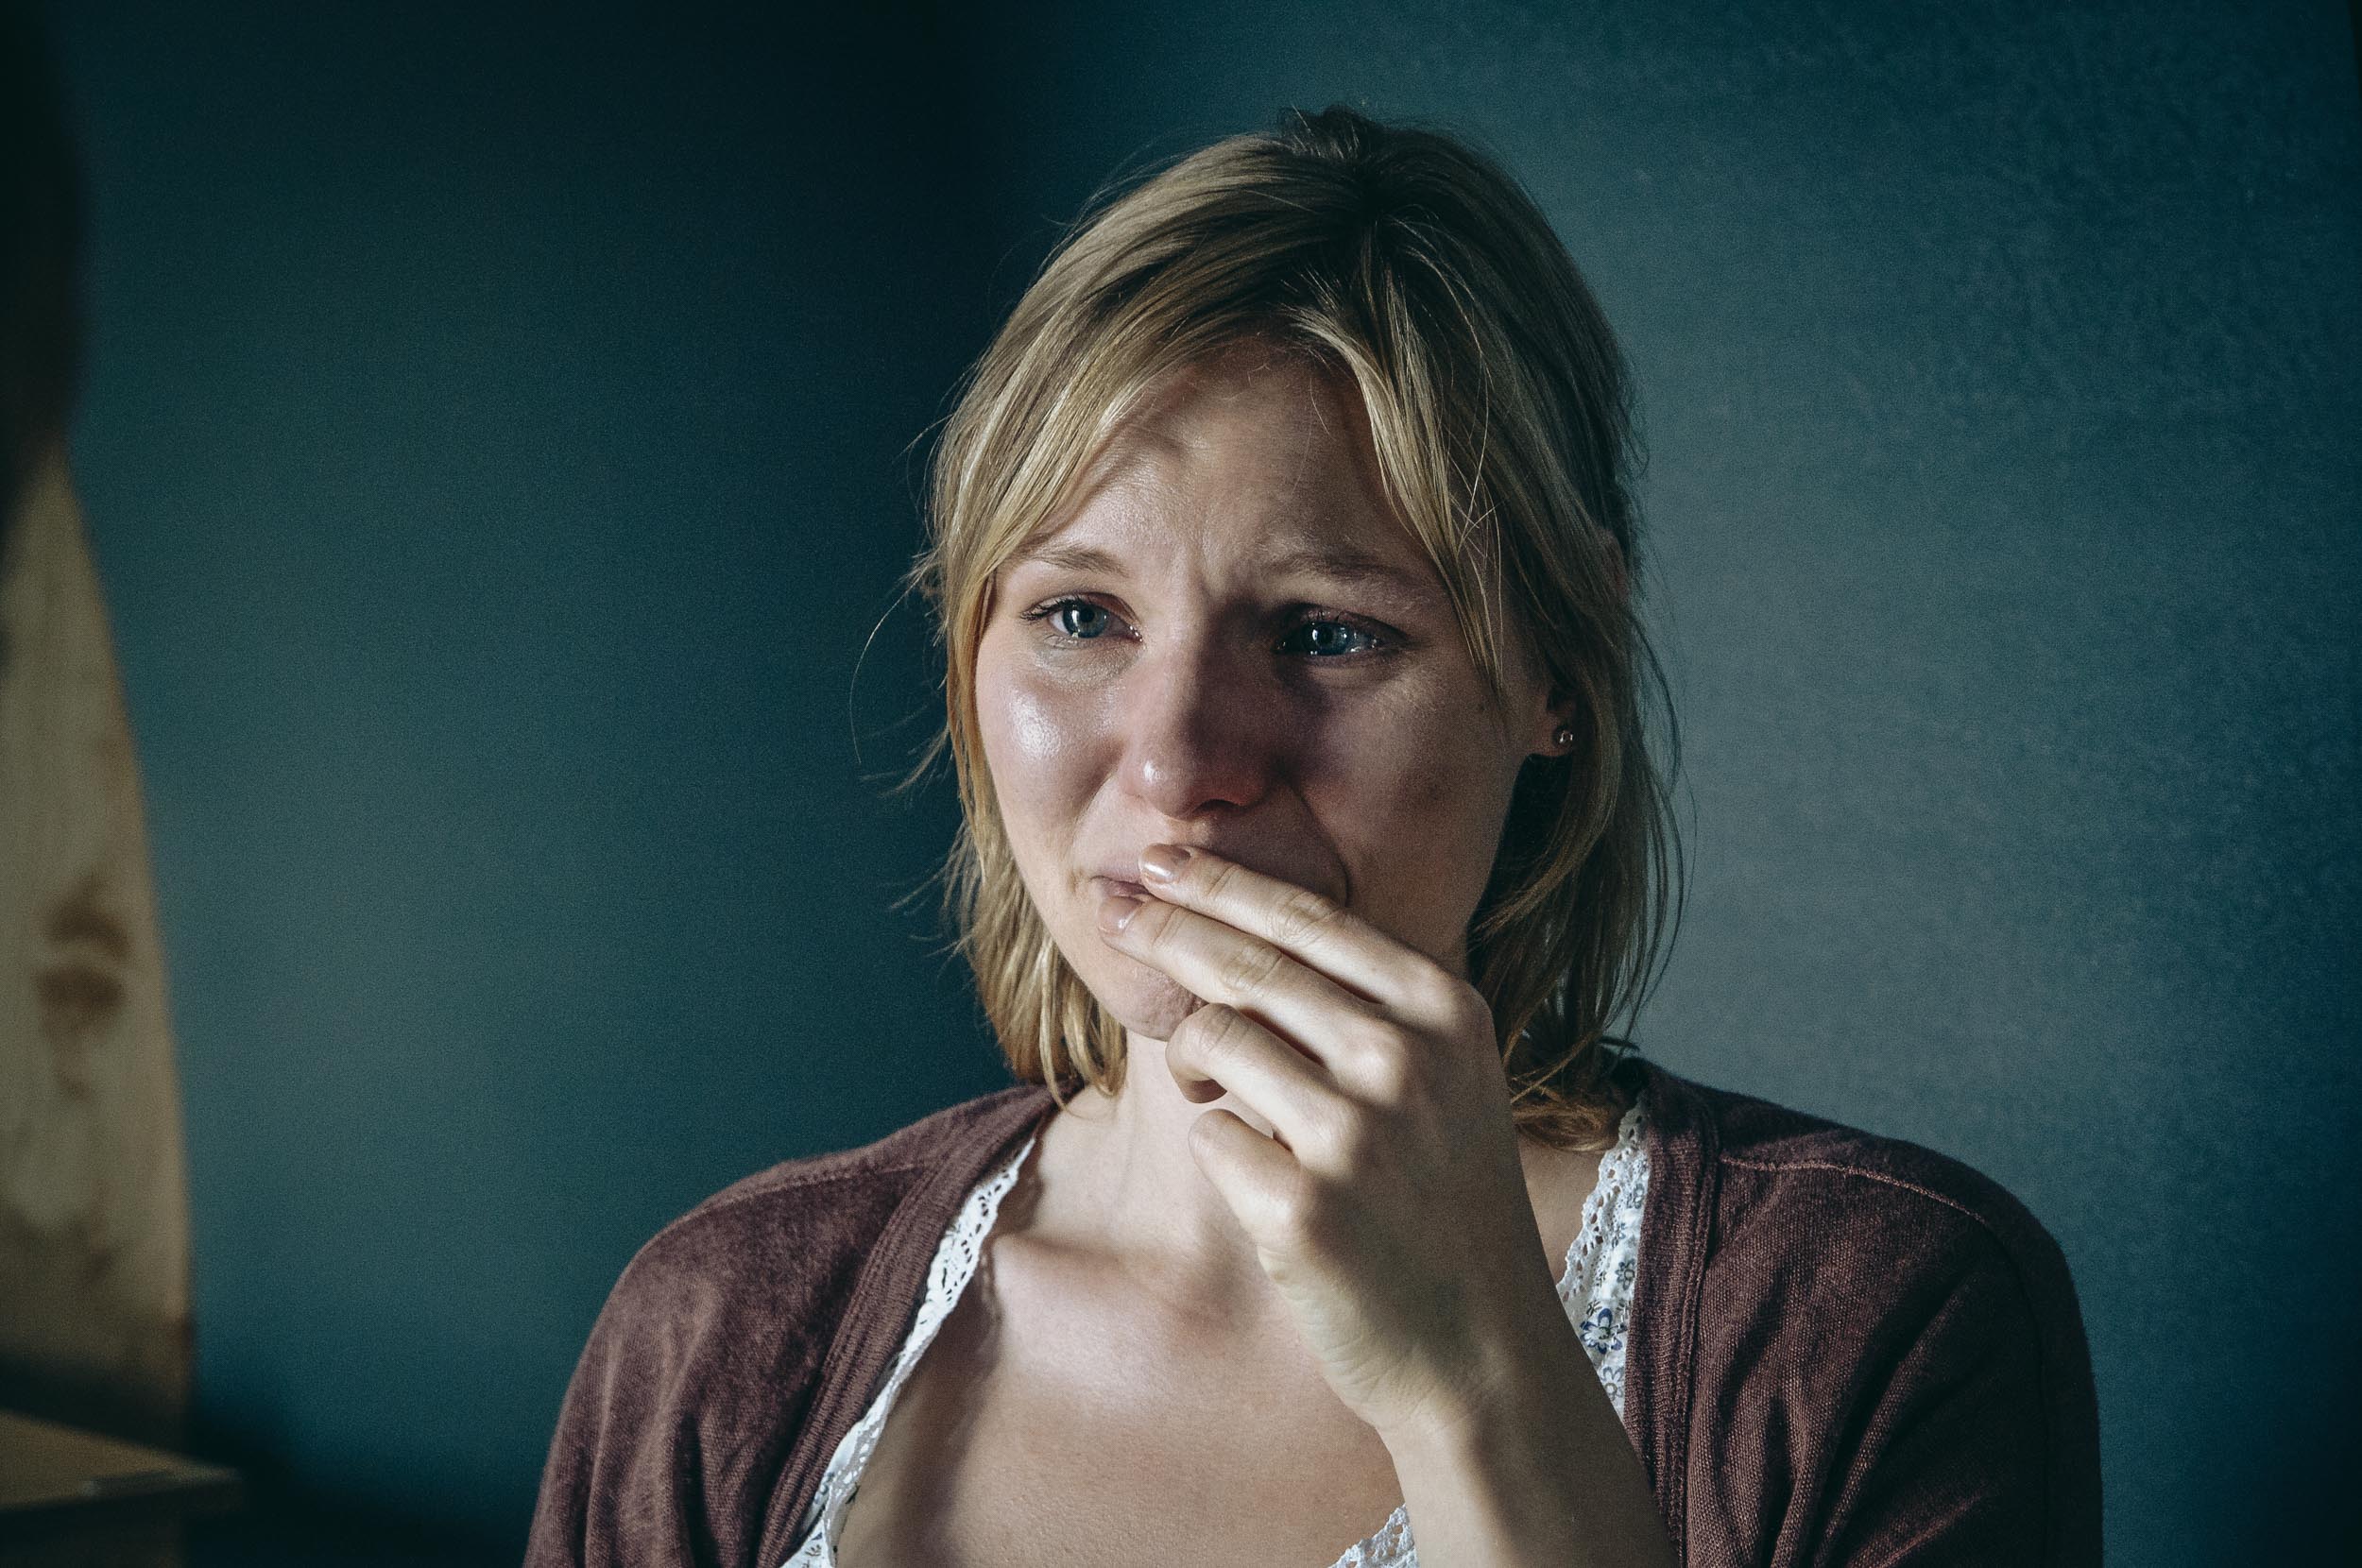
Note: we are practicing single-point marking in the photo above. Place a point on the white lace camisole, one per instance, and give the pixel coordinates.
(1596, 1289)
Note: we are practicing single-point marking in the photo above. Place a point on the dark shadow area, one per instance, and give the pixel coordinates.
(284, 1532)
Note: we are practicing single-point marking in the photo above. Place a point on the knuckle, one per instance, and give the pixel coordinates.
(1248, 969)
(1387, 1071)
(1222, 1033)
(1344, 1135)
(1302, 915)
(1300, 1209)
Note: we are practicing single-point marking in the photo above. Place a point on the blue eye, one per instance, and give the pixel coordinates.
(1322, 636)
(1325, 637)
(1060, 612)
(1071, 620)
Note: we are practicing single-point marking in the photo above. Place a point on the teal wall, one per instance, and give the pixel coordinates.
(495, 449)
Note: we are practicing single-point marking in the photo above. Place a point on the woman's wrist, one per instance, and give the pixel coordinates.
(1533, 1468)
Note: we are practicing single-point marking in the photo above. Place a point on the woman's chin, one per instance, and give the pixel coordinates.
(1149, 1006)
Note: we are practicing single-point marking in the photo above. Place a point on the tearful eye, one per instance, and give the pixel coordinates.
(1078, 618)
(1327, 639)
(1324, 638)
(1070, 621)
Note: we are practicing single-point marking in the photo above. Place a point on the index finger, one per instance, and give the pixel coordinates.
(1308, 926)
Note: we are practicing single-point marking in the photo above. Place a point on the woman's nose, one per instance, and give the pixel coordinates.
(1201, 729)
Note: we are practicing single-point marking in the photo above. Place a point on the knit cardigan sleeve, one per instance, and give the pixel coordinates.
(1948, 1451)
(1887, 1364)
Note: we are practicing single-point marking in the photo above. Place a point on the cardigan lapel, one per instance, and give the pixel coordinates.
(886, 1295)
(1676, 1228)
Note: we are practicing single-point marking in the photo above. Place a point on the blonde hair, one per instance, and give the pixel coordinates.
(1416, 270)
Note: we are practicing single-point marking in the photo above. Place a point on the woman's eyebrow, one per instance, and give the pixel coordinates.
(1347, 567)
(1069, 558)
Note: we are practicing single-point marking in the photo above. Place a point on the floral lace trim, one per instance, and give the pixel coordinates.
(946, 1276)
(1603, 1264)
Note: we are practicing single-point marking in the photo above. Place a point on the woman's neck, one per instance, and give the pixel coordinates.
(1117, 1182)
(1114, 1182)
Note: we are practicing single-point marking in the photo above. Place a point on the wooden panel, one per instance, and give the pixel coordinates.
(93, 1202)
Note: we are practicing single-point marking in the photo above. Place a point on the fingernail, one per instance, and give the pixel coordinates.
(1162, 863)
(1117, 911)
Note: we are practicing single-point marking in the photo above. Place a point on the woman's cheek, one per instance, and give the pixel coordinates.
(1037, 752)
(1040, 732)
(1419, 831)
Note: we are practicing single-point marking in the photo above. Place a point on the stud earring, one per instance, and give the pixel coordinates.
(1564, 736)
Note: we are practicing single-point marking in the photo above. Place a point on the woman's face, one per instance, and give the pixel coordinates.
(1231, 643)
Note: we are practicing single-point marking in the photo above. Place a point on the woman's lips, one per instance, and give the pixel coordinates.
(1108, 887)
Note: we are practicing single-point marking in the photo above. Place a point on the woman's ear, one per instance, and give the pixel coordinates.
(1559, 733)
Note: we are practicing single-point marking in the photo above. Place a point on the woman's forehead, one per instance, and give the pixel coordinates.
(1251, 379)
(1264, 456)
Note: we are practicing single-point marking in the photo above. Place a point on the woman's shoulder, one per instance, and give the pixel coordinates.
(710, 1350)
(1785, 1180)
(1774, 1225)
(1884, 1329)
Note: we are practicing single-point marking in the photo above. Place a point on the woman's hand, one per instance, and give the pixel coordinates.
(1390, 1207)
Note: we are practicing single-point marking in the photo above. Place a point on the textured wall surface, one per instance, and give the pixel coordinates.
(494, 452)
(495, 437)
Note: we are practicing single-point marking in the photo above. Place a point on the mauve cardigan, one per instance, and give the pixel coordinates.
(1844, 1350)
